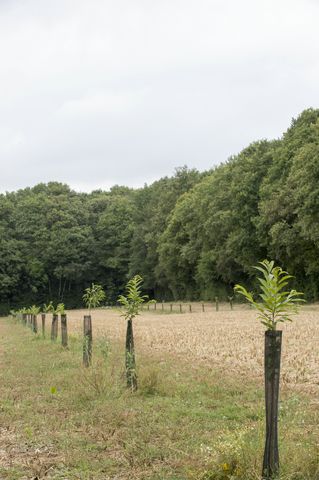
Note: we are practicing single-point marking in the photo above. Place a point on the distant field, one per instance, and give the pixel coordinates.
(226, 339)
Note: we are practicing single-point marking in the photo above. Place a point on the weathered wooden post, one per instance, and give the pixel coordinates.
(162, 305)
(24, 318)
(190, 308)
(273, 340)
(54, 327)
(180, 308)
(231, 302)
(43, 324)
(148, 307)
(203, 307)
(87, 341)
(64, 330)
(171, 307)
(155, 305)
(217, 304)
(34, 323)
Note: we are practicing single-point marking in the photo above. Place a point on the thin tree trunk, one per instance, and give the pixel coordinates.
(63, 289)
(130, 365)
(273, 340)
(60, 285)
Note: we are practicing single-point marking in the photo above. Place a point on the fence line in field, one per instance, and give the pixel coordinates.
(192, 307)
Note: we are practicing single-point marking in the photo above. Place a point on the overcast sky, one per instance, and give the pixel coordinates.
(100, 92)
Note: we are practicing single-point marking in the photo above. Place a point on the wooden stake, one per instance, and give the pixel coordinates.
(130, 364)
(34, 324)
(64, 331)
(87, 341)
(217, 304)
(54, 327)
(43, 324)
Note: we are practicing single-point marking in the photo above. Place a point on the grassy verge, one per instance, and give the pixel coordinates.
(61, 421)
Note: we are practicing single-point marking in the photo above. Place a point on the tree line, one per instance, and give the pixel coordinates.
(190, 236)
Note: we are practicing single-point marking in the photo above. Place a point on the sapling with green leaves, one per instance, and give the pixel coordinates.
(60, 308)
(34, 310)
(276, 304)
(48, 308)
(131, 305)
(93, 296)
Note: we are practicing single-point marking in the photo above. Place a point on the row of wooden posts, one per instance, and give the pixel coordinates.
(32, 322)
(162, 305)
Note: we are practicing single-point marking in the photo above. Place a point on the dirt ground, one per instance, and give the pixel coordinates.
(231, 340)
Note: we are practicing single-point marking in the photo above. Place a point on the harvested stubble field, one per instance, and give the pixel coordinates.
(198, 413)
(229, 340)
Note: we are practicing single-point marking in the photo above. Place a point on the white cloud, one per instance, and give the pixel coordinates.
(134, 89)
(101, 103)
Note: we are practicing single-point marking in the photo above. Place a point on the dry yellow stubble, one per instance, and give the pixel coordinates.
(228, 340)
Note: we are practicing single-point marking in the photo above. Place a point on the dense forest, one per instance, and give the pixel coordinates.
(191, 236)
